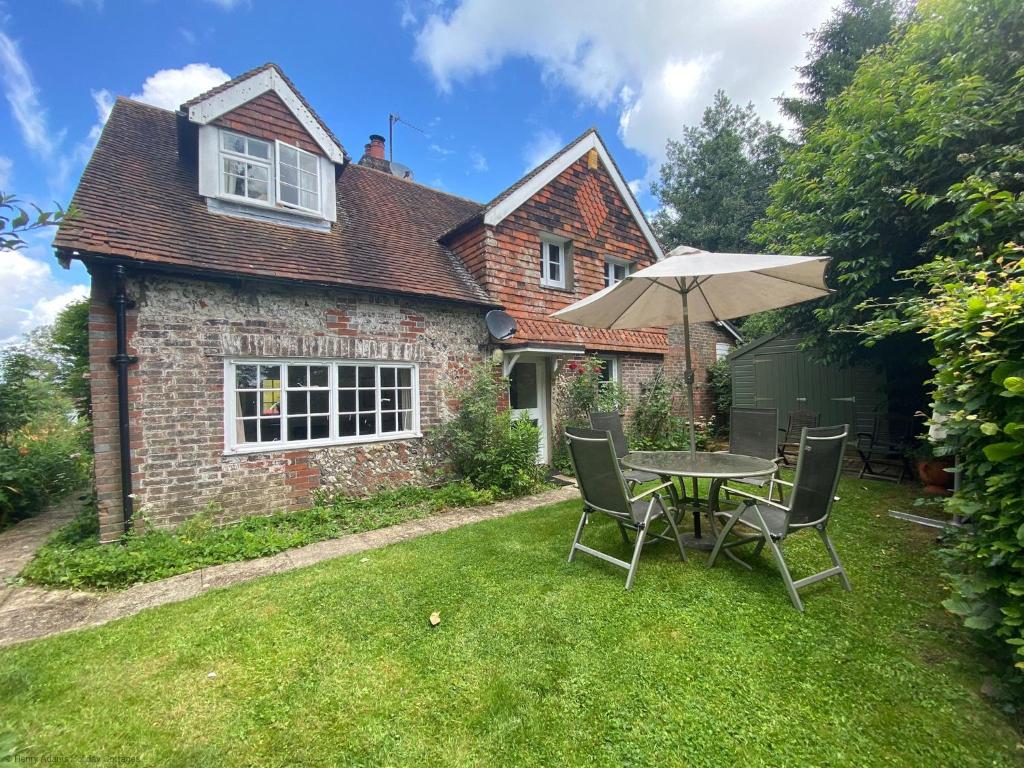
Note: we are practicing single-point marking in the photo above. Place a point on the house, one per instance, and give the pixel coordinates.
(270, 317)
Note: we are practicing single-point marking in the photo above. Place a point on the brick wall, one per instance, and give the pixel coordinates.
(703, 340)
(182, 330)
(267, 117)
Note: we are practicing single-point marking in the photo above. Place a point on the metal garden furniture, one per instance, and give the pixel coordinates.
(611, 422)
(717, 467)
(753, 432)
(604, 491)
(887, 445)
(820, 460)
(791, 432)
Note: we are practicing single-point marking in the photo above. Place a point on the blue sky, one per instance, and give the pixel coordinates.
(494, 86)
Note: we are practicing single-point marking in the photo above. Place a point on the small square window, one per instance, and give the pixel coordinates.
(615, 271)
(553, 267)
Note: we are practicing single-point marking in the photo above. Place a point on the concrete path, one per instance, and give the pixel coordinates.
(27, 613)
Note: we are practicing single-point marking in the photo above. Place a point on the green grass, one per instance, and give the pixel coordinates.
(73, 557)
(536, 661)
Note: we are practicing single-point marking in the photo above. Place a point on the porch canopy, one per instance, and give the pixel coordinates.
(691, 284)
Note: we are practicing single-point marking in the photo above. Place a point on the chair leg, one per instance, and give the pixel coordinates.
(625, 536)
(721, 537)
(675, 532)
(784, 570)
(579, 535)
(835, 560)
(640, 535)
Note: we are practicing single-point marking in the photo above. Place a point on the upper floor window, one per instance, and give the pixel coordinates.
(554, 263)
(615, 271)
(269, 173)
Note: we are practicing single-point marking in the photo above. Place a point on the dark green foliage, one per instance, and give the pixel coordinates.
(69, 344)
(714, 184)
(720, 383)
(929, 109)
(74, 558)
(762, 324)
(856, 27)
(579, 391)
(484, 444)
(655, 426)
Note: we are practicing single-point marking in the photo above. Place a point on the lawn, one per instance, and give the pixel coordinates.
(535, 662)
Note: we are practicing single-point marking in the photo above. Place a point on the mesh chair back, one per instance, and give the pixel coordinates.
(597, 470)
(754, 432)
(611, 422)
(797, 421)
(817, 474)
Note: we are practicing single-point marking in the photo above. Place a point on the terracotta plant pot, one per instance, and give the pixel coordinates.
(937, 481)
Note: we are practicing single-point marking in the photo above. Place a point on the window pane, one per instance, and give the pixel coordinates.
(289, 176)
(523, 386)
(309, 200)
(366, 397)
(233, 142)
(555, 272)
(367, 424)
(319, 402)
(387, 377)
(308, 181)
(298, 402)
(258, 172)
(366, 376)
(297, 428)
(246, 404)
(259, 148)
(388, 422)
(347, 401)
(234, 167)
(405, 399)
(405, 377)
(270, 376)
(404, 421)
(245, 377)
(289, 195)
(289, 156)
(297, 375)
(308, 162)
(346, 375)
(346, 426)
(258, 190)
(318, 375)
(248, 431)
(270, 403)
(553, 253)
(319, 428)
(387, 399)
(270, 430)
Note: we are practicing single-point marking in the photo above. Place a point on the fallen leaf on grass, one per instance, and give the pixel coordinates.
(435, 619)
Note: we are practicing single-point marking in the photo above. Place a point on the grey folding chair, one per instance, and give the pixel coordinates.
(753, 432)
(886, 446)
(791, 432)
(611, 422)
(604, 491)
(819, 462)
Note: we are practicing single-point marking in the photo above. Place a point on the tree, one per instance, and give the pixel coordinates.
(16, 222)
(69, 343)
(837, 46)
(714, 184)
(940, 103)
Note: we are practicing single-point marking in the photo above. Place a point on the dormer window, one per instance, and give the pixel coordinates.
(269, 173)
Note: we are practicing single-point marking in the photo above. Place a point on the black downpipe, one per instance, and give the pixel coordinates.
(121, 304)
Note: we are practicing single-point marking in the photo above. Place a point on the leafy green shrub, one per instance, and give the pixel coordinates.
(720, 382)
(483, 443)
(74, 558)
(655, 427)
(579, 391)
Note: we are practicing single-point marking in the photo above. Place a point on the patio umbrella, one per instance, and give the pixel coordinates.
(691, 284)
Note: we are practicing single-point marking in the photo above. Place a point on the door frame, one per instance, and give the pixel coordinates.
(543, 401)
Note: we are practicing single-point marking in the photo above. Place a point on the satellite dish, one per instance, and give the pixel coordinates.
(500, 324)
(401, 171)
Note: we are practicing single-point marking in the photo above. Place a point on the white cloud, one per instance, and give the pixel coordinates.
(656, 62)
(408, 18)
(6, 164)
(229, 5)
(23, 96)
(543, 145)
(479, 162)
(170, 88)
(32, 294)
(188, 36)
(437, 149)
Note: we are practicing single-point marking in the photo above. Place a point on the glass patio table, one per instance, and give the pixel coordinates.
(718, 467)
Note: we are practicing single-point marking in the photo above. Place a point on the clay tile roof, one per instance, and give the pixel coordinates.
(532, 330)
(138, 200)
(245, 76)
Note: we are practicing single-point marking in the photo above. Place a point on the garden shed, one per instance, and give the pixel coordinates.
(772, 372)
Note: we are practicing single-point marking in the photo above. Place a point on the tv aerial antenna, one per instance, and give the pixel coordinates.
(394, 117)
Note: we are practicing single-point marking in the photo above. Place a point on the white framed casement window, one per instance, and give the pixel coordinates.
(615, 271)
(554, 262)
(722, 350)
(298, 178)
(283, 404)
(245, 165)
(609, 373)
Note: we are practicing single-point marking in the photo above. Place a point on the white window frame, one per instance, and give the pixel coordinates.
(564, 246)
(609, 275)
(722, 350)
(233, 446)
(613, 369)
(268, 163)
(277, 180)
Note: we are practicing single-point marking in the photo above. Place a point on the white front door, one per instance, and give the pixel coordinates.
(527, 393)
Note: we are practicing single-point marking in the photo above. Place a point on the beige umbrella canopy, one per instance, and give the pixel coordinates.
(691, 284)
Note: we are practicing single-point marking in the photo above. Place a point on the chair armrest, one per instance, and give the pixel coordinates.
(758, 499)
(865, 434)
(649, 491)
(780, 481)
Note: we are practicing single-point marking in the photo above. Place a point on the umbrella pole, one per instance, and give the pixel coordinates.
(688, 376)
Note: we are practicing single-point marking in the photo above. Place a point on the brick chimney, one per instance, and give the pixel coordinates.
(373, 154)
